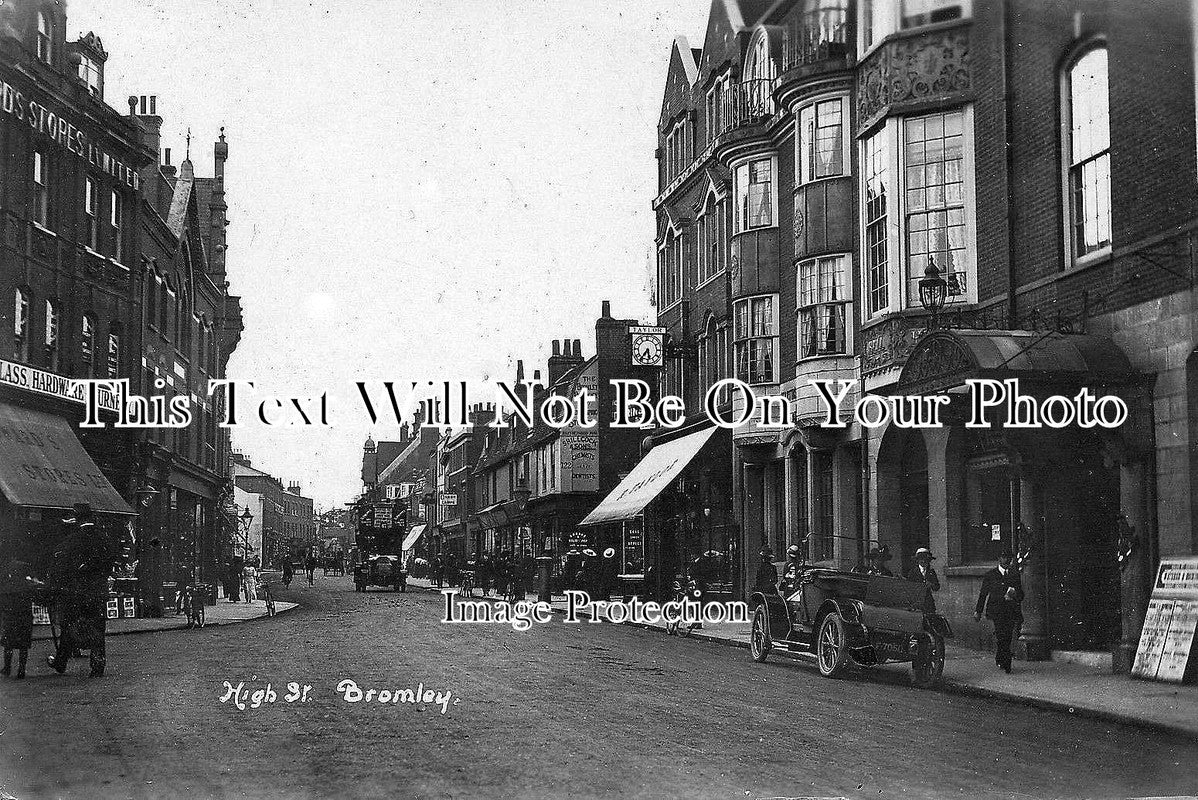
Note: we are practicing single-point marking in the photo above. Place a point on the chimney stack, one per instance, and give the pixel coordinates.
(606, 309)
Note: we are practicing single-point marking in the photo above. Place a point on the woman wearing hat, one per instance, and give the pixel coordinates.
(922, 572)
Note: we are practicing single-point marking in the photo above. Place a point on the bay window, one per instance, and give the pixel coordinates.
(823, 301)
(821, 142)
(917, 209)
(756, 194)
(1088, 154)
(756, 339)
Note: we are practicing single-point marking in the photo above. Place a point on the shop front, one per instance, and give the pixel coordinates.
(1065, 499)
(672, 515)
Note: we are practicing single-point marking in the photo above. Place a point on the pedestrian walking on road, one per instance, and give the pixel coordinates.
(16, 615)
(81, 568)
(236, 567)
(922, 572)
(288, 572)
(999, 599)
(311, 565)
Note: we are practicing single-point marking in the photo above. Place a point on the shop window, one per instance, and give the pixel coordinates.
(51, 339)
(1088, 153)
(117, 222)
(756, 340)
(823, 303)
(91, 212)
(41, 189)
(45, 37)
(87, 345)
(987, 527)
(21, 325)
(821, 144)
(756, 194)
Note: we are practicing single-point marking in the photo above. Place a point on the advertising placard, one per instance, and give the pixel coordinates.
(1167, 639)
(634, 548)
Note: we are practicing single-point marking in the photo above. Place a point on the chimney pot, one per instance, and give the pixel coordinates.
(606, 309)
(556, 347)
(578, 347)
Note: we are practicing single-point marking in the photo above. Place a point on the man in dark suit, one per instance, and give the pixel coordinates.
(999, 599)
(82, 565)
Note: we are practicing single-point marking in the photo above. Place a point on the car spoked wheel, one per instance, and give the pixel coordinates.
(831, 648)
(759, 637)
(927, 669)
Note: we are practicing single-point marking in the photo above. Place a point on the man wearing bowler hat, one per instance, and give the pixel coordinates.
(82, 565)
(1001, 594)
(922, 572)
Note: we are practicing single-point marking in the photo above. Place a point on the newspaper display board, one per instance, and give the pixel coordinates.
(1167, 639)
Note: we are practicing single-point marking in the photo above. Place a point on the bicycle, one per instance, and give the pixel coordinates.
(265, 593)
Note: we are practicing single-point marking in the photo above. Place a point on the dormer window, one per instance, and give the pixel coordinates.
(89, 73)
(45, 37)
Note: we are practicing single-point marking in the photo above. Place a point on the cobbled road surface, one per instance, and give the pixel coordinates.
(559, 711)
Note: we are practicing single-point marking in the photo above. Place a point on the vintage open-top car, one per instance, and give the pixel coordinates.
(380, 570)
(844, 617)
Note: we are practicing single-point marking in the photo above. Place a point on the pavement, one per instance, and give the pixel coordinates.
(556, 711)
(1056, 685)
(223, 613)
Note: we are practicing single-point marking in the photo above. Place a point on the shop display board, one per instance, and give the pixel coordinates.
(1167, 639)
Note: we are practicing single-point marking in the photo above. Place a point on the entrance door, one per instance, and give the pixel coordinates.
(913, 508)
(1082, 552)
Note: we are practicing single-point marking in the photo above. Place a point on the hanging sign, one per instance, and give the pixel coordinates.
(1167, 639)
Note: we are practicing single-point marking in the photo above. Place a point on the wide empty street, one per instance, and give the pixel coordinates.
(559, 711)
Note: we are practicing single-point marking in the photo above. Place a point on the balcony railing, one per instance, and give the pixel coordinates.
(747, 103)
(816, 36)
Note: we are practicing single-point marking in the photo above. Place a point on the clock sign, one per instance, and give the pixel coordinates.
(647, 346)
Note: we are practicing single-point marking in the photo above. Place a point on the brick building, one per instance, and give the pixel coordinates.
(1005, 150)
(69, 266)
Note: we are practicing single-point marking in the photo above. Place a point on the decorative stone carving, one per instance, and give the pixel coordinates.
(888, 343)
(915, 68)
(939, 356)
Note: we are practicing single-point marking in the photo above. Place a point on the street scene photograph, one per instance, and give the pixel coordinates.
(542, 399)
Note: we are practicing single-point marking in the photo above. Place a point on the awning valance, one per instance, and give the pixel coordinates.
(946, 359)
(648, 478)
(413, 536)
(43, 465)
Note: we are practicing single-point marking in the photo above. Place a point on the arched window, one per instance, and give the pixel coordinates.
(87, 345)
(759, 74)
(165, 311)
(45, 36)
(21, 325)
(1087, 146)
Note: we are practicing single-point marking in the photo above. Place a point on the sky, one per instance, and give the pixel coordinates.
(418, 189)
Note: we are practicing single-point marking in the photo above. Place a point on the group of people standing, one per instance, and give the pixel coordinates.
(507, 574)
(75, 587)
(593, 573)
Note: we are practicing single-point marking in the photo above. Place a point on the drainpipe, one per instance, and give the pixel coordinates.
(1008, 113)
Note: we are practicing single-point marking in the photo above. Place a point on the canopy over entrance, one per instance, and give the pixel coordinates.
(43, 465)
(648, 478)
(946, 359)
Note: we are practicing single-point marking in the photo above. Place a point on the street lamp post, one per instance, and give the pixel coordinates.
(246, 519)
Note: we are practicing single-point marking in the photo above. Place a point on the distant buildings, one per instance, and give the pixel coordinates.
(282, 524)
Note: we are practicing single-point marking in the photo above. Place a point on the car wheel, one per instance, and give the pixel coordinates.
(831, 648)
(928, 667)
(759, 637)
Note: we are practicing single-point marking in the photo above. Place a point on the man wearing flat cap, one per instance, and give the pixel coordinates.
(922, 572)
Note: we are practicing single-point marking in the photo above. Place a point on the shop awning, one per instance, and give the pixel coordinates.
(648, 478)
(413, 536)
(43, 465)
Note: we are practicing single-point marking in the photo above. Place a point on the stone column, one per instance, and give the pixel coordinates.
(1033, 642)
